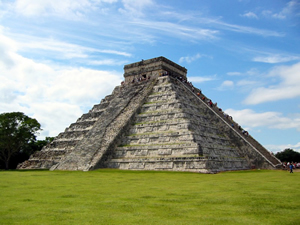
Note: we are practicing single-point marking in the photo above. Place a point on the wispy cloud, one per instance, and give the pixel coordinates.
(290, 80)
(250, 15)
(177, 30)
(250, 118)
(189, 59)
(135, 8)
(226, 85)
(68, 9)
(276, 58)
(202, 79)
(247, 30)
(63, 48)
(279, 148)
(251, 72)
(108, 62)
(234, 73)
(287, 11)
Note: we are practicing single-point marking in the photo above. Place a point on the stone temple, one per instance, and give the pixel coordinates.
(155, 120)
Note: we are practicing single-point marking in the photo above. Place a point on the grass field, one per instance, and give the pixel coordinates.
(148, 197)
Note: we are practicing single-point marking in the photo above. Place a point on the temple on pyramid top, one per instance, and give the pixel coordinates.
(155, 120)
(152, 68)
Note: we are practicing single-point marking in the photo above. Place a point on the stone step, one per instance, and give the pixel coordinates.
(161, 159)
(160, 115)
(63, 144)
(219, 150)
(162, 88)
(159, 126)
(196, 164)
(48, 155)
(152, 151)
(176, 114)
(37, 164)
(162, 97)
(99, 107)
(186, 106)
(92, 116)
(160, 106)
(80, 126)
(78, 134)
(210, 137)
(159, 137)
(159, 146)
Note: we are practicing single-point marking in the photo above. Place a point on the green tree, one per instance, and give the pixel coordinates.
(27, 151)
(16, 132)
(288, 155)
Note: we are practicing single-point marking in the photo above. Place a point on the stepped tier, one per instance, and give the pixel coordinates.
(154, 123)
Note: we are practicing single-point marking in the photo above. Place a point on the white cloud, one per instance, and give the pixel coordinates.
(109, 62)
(46, 7)
(56, 97)
(250, 15)
(279, 148)
(59, 49)
(189, 59)
(234, 73)
(69, 9)
(177, 30)
(249, 118)
(245, 29)
(276, 58)
(287, 11)
(227, 84)
(135, 8)
(247, 83)
(251, 72)
(201, 79)
(290, 80)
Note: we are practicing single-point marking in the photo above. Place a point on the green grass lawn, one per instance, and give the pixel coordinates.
(148, 197)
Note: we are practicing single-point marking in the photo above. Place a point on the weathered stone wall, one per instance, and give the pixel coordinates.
(152, 68)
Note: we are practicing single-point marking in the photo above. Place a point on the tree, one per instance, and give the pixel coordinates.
(288, 155)
(16, 132)
(27, 151)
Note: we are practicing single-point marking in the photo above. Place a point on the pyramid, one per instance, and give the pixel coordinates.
(155, 120)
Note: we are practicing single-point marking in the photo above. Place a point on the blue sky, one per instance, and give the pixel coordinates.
(59, 58)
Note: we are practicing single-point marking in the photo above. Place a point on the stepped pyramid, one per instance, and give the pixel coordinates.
(155, 120)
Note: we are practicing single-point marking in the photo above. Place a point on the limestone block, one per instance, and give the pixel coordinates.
(141, 152)
(163, 165)
(164, 151)
(136, 165)
(195, 165)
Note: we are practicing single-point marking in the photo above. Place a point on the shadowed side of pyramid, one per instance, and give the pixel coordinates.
(156, 120)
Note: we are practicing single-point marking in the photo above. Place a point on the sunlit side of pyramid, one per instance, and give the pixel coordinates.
(155, 120)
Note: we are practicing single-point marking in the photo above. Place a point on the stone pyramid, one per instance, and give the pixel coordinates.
(155, 120)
